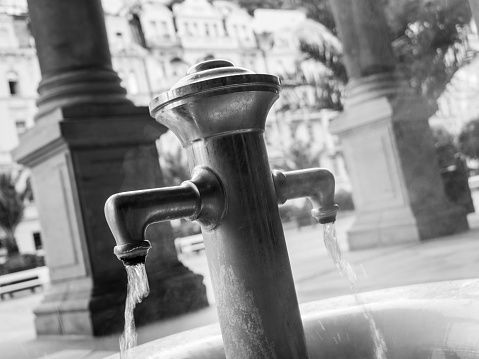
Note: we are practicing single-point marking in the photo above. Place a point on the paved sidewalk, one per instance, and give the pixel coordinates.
(453, 257)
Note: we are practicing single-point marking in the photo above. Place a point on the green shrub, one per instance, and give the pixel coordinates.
(21, 262)
(287, 212)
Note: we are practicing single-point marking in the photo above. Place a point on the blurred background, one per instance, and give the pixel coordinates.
(383, 93)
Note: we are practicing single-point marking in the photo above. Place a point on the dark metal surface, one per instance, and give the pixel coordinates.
(206, 106)
(129, 213)
(247, 254)
(220, 121)
(219, 113)
(317, 184)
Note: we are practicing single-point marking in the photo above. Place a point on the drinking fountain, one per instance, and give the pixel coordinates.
(218, 112)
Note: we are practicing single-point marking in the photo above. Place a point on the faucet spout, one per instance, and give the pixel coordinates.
(317, 184)
(130, 213)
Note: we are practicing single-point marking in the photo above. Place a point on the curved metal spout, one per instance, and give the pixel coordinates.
(317, 184)
(130, 213)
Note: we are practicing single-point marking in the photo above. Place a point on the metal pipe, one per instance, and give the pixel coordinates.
(247, 254)
(317, 184)
(218, 112)
(130, 213)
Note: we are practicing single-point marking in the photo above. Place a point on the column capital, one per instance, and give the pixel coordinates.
(74, 56)
(384, 96)
(89, 86)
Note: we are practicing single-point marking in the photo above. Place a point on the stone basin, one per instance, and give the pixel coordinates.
(434, 321)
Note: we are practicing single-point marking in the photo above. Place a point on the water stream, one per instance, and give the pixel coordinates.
(346, 270)
(138, 289)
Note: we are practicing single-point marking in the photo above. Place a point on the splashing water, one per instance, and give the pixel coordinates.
(138, 289)
(346, 270)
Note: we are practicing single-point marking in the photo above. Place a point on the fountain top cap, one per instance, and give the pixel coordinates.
(216, 97)
(208, 70)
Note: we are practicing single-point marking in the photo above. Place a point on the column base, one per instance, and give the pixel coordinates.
(64, 309)
(399, 226)
(397, 186)
(383, 227)
(444, 221)
(73, 308)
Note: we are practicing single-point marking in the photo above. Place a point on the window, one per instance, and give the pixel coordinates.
(12, 79)
(120, 41)
(133, 83)
(136, 30)
(153, 25)
(164, 30)
(37, 239)
(21, 126)
(188, 29)
(4, 37)
(119, 37)
(163, 68)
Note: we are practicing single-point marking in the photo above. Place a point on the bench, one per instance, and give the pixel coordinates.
(190, 244)
(18, 281)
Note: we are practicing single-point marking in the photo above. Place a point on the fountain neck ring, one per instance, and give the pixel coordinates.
(216, 98)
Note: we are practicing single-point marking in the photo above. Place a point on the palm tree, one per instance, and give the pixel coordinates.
(11, 211)
(468, 139)
(301, 155)
(318, 79)
(430, 39)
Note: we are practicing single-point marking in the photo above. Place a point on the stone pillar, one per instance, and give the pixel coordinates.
(73, 53)
(386, 139)
(475, 10)
(88, 143)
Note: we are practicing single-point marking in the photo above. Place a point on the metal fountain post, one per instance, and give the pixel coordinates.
(218, 111)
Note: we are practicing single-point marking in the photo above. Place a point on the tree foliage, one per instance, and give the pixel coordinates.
(11, 211)
(430, 41)
(468, 139)
(454, 172)
(304, 92)
(322, 77)
(445, 146)
(301, 155)
(428, 37)
(174, 166)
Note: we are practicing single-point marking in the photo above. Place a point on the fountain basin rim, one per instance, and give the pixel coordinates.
(429, 300)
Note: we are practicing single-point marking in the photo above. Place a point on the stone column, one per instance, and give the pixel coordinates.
(475, 10)
(386, 139)
(88, 143)
(73, 53)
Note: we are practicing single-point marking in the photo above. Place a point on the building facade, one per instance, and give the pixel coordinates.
(152, 46)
